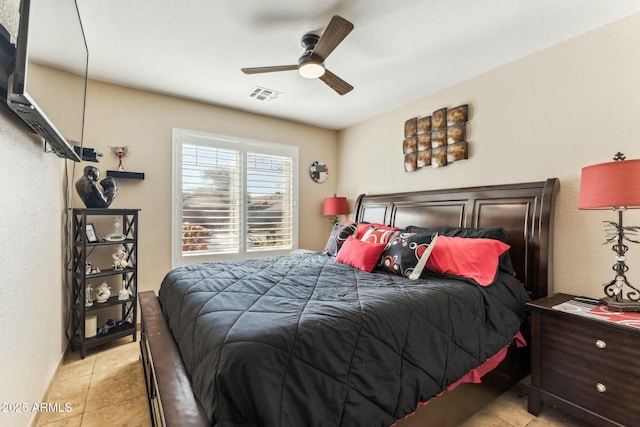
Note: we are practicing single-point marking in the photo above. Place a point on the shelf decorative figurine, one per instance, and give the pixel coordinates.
(103, 292)
(124, 293)
(120, 153)
(116, 236)
(87, 295)
(90, 269)
(105, 329)
(120, 260)
(91, 194)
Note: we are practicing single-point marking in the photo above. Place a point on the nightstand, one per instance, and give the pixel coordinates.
(587, 367)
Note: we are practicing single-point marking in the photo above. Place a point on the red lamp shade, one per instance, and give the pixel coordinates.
(610, 185)
(334, 206)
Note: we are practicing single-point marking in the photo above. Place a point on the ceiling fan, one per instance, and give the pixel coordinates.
(316, 51)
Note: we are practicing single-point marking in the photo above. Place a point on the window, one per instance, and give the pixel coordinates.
(232, 198)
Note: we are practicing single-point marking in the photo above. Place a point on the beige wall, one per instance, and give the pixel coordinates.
(144, 121)
(544, 116)
(33, 307)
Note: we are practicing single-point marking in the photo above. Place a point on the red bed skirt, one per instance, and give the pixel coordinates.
(475, 375)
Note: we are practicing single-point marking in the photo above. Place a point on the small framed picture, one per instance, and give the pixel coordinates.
(424, 158)
(424, 124)
(439, 119)
(92, 237)
(439, 157)
(424, 141)
(439, 138)
(458, 114)
(410, 127)
(457, 151)
(409, 145)
(410, 162)
(456, 133)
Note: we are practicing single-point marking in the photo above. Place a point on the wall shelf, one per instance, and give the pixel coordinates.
(126, 175)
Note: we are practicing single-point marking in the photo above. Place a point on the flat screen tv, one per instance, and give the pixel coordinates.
(47, 86)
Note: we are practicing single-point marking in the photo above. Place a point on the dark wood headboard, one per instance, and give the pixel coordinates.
(524, 210)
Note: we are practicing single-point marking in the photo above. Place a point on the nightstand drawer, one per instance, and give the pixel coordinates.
(590, 386)
(598, 344)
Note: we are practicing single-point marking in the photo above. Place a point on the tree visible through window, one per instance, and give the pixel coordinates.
(232, 198)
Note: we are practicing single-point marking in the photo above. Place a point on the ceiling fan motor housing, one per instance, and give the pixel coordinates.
(309, 42)
(310, 65)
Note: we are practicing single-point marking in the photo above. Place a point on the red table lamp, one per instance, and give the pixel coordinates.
(334, 206)
(615, 185)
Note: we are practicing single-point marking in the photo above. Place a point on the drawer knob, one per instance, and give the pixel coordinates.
(601, 388)
(601, 344)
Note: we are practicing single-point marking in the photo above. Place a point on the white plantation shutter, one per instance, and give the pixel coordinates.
(233, 198)
(269, 202)
(210, 196)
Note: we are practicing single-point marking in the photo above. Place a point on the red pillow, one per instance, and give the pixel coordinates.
(476, 259)
(361, 255)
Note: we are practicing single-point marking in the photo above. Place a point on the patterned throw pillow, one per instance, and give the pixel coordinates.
(377, 233)
(403, 253)
(338, 235)
(363, 227)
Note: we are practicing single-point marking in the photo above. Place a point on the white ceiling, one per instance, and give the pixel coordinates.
(399, 50)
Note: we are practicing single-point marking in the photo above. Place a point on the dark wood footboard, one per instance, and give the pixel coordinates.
(171, 400)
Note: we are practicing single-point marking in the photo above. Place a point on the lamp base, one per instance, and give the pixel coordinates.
(620, 306)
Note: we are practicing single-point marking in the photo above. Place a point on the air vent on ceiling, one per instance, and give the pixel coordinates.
(264, 94)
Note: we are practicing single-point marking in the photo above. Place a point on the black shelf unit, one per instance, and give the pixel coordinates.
(81, 250)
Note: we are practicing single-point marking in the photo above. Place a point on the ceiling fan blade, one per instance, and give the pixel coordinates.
(336, 83)
(257, 70)
(336, 31)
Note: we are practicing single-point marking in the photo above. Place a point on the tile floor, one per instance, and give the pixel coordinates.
(510, 410)
(106, 389)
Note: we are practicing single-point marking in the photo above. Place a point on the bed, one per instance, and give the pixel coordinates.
(324, 373)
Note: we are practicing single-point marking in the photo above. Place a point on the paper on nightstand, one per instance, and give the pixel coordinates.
(599, 312)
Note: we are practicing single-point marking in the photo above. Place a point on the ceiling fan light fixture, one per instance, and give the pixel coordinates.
(311, 70)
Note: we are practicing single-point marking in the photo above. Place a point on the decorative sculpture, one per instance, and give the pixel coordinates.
(87, 295)
(105, 329)
(120, 153)
(120, 258)
(124, 292)
(103, 292)
(91, 194)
